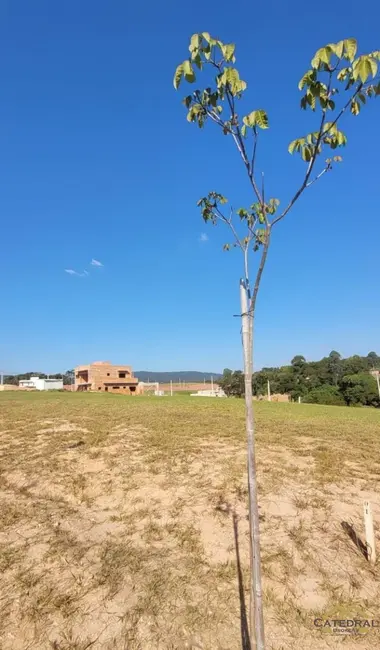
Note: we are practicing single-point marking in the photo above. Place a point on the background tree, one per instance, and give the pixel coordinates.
(68, 377)
(330, 395)
(360, 390)
(373, 361)
(232, 382)
(338, 81)
(334, 366)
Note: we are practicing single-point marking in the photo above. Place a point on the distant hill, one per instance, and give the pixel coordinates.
(188, 376)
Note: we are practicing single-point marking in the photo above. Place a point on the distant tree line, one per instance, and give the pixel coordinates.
(332, 380)
(68, 377)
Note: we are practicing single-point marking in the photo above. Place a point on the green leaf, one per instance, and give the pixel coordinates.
(296, 145)
(350, 47)
(187, 101)
(337, 159)
(323, 55)
(198, 61)
(178, 76)
(308, 77)
(206, 36)
(362, 98)
(373, 65)
(307, 152)
(207, 52)
(188, 71)
(355, 107)
(362, 68)
(310, 99)
(257, 118)
(244, 131)
(194, 42)
(343, 74)
(228, 52)
(337, 48)
(230, 77)
(226, 247)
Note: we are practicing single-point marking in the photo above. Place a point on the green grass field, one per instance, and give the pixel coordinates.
(123, 522)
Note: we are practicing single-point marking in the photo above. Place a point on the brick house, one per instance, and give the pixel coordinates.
(103, 376)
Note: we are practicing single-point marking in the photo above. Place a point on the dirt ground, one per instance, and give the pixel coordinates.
(123, 523)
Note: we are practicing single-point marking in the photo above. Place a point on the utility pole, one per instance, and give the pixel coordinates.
(212, 383)
(171, 388)
(269, 395)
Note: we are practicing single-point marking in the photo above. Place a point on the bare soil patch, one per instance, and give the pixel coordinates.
(137, 538)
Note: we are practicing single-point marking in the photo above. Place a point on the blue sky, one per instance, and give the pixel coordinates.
(98, 162)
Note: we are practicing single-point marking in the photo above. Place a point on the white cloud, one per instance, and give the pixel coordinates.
(72, 272)
(96, 263)
(203, 238)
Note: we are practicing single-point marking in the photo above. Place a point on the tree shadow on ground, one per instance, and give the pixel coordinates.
(227, 509)
(245, 640)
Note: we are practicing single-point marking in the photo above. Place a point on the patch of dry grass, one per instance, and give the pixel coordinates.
(137, 537)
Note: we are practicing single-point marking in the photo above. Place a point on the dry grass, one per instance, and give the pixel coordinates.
(135, 539)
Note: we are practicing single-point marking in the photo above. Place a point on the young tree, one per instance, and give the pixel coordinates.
(338, 81)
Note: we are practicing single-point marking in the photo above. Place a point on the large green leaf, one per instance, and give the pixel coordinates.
(194, 42)
(350, 47)
(178, 76)
(257, 118)
(362, 68)
(296, 145)
(306, 79)
(188, 71)
(307, 152)
(337, 48)
(373, 64)
(228, 52)
(323, 55)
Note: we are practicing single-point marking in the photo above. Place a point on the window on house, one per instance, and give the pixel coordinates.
(108, 374)
(121, 375)
(100, 388)
(106, 388)
(115, 387)
(132, 389)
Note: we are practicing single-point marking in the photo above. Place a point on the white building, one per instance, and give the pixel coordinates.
(215, 392)
(41, 384)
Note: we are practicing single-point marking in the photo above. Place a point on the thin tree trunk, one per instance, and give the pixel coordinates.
(256, 605)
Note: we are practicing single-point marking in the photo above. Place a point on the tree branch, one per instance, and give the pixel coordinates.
(260, 271)
(321, 134)
(326, 169)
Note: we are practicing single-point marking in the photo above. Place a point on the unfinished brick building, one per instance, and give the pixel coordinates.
(103, 376)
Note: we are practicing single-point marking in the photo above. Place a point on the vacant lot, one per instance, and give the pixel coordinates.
(123, 522)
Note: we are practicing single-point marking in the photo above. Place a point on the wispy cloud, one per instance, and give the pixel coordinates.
(203, 238)
(96, 263)
(72, 272)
